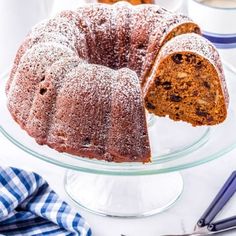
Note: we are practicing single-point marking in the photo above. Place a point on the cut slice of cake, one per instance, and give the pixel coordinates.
(187, 82)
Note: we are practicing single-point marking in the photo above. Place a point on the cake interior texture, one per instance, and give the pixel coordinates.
(187, 87)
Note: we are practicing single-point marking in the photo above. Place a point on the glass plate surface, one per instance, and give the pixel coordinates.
(175, 145)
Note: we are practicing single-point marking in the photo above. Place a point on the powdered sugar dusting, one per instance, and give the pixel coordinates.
(31, 71)
(61, 73)
(97, 132)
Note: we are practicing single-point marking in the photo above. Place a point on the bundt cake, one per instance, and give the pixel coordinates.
(78, 79)
(187, 82)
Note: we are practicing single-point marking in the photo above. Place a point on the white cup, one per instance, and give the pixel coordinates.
(16, 19)
(216, 20)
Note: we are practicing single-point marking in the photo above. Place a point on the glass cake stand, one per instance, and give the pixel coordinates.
(134, 189)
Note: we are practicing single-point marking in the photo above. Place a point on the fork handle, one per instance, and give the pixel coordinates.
(222, 225)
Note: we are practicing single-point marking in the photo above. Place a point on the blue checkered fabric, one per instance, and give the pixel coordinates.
(28, 206)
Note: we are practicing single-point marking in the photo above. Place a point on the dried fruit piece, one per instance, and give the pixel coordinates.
(175, 98)
(197, 30)
(198, 65)
(209, 118)
(201, 112)
(177, 58)
(149, 105)
(206, 84)
(158, 81)
(166, 85)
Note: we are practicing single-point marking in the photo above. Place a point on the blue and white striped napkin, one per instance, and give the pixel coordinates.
(28, 206)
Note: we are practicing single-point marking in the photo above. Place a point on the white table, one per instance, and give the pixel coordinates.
(201, 185)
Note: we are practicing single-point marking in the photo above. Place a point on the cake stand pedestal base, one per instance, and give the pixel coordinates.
(124, 196)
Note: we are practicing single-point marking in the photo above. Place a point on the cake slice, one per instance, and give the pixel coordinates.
(187, 82)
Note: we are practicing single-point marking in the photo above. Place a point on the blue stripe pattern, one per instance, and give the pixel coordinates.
(223, 41)
(28, 206)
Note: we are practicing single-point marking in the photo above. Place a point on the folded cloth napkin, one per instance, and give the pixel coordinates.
(28, 206)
